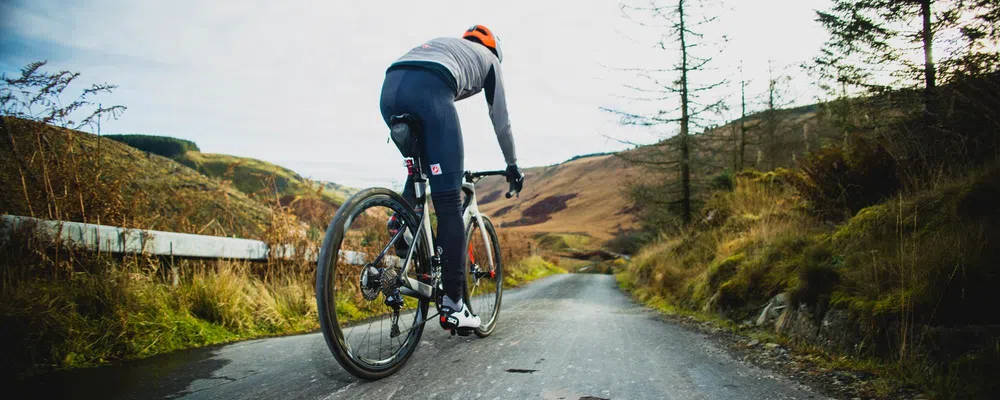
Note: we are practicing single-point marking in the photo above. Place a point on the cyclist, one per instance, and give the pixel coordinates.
(426, 82)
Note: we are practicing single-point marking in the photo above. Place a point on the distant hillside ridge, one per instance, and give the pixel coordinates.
(586, 194)
(166, 146)
(248, 175)
(253, 176)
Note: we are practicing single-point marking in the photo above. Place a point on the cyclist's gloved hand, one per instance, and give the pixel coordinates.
(515, 177)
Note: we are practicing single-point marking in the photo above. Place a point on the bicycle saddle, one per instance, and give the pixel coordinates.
(404, 130)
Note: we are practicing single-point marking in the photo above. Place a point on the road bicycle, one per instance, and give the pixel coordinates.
(379, 270)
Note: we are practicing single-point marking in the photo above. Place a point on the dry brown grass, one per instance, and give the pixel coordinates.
(68, 175)
(680, 266)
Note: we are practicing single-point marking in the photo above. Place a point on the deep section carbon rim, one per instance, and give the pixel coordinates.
(360, 286)
(483, 275)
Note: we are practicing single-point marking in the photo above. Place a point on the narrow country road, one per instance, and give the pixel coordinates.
(563, 337)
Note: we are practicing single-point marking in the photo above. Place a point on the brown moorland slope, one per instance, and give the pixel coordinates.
(586, 195)
(579, 196)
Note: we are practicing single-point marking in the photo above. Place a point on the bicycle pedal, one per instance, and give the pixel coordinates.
(465, 331)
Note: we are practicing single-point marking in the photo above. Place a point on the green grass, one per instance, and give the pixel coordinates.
(563, 241)
(917, 261)
(122, 313)
(61, 308)
(529, 269)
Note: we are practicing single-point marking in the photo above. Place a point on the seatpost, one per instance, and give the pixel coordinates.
(413, 169)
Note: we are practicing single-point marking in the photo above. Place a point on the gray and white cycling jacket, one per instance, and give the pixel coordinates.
(469, 68)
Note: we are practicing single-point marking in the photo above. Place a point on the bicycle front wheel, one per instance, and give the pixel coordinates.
(483, 274)
(369, 327)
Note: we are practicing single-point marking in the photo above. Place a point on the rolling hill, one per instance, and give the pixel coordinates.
(251, 176)
(584, 195)
(579, 196)
(57, 173)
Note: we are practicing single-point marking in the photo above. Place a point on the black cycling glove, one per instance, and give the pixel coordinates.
(515, 177)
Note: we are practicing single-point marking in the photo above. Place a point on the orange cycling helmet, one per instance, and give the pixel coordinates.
(482, 35)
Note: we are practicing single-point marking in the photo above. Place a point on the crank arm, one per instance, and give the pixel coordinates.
(419, 323)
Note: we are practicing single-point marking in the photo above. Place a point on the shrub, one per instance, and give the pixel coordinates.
(629, 242)
(724, 181)
(563, 241)
(838, 182)
(161, 145)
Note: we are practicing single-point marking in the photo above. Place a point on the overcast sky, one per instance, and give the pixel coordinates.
(297, 82)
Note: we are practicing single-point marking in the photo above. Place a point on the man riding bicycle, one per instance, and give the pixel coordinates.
(426, 82)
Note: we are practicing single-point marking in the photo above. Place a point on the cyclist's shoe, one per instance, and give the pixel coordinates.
(393, 226)
(461, 319)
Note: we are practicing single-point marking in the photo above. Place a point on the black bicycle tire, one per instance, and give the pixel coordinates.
(326, 291)
(495, 244)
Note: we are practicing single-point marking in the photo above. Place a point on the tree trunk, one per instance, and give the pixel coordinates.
(772, 120)
(685, 118)
(929, 71)
(743, 118)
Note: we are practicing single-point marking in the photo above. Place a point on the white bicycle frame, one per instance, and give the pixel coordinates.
(423, 290)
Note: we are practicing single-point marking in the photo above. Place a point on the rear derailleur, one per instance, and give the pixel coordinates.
(375, 280)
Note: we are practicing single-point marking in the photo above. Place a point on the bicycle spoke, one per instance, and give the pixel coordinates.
(482, 282)
(367, 268)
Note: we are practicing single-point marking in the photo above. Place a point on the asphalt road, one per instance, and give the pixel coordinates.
(563, 337)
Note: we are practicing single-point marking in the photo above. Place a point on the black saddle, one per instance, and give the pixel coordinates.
(404, 130)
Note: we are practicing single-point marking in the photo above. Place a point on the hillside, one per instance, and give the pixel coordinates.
(578, 196)
(584, 194)
(337, 190)
(57, 173)
(252, 176)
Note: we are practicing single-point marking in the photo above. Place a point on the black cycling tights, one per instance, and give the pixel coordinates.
(427, 96)
(451, 236)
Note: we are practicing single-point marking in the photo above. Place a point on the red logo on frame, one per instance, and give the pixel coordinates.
(435, 169)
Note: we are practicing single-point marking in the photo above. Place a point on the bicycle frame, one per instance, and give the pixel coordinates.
(412, 287)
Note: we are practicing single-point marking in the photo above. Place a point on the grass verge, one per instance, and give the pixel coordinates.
(61, 308)
(912, 275)
(529, 269)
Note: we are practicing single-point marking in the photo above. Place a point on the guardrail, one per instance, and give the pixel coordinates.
(118, 240)
(136, 241)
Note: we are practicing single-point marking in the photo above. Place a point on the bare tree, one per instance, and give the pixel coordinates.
(37, 96)
(770, 125)
(743, 122)
(672, 155)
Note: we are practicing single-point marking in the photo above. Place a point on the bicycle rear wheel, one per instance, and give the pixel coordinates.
(356, 289)
(483, 275)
